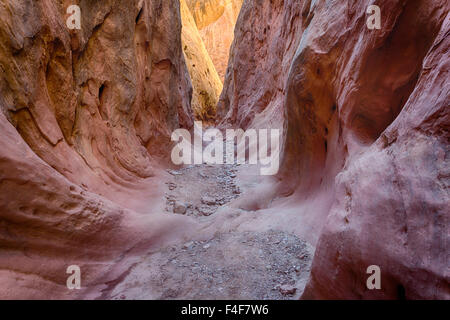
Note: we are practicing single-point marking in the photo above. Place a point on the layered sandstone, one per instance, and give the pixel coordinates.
(206, 83)
(366, 136)
(216, 20)
(64, 89)
(85, 116)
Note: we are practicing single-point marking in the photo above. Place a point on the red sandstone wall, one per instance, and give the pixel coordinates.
(85, 115)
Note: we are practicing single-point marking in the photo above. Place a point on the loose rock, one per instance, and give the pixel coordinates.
(179, 208)
(287, 290)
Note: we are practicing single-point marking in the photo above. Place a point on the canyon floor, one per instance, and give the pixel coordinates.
(270, 264)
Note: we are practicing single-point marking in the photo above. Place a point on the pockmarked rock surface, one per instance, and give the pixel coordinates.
(64, 89)
(202, 190)
(364, 173)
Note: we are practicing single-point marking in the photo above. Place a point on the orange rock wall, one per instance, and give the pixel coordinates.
(206, 83)
(216, 20)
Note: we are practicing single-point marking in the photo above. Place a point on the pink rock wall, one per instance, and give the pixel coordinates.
(365, 127)
(86, 116)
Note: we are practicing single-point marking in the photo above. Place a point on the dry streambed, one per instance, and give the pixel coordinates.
(238, 265)
(235, 265)
(199, 190)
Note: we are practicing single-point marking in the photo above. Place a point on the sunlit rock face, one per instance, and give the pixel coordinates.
(365, 116)
(206, 83)
(266, 38)
(215, 20)
(85, 116)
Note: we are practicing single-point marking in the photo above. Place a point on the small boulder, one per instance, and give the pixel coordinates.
(179, 208)
(203, 175)
(205, 211)
(172, 186)
(209, 200)
(286, 290)
(174, 172)
(188, 245)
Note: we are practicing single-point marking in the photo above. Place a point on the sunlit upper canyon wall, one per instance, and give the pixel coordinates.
(207, 34)
(206, 83)
(216, 20)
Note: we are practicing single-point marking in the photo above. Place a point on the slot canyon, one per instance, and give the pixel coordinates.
(87, 177)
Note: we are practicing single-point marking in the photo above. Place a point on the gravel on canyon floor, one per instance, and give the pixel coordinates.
(199, 190)
(234, 265)
(237, 265)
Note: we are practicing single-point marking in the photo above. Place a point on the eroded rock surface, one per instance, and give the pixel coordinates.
(266, 38)
(85, 114)
(392, 200)
(101, 96)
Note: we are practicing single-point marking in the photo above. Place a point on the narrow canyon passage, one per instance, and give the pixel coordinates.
(257, 264)
(226, 258)
(207, 34)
